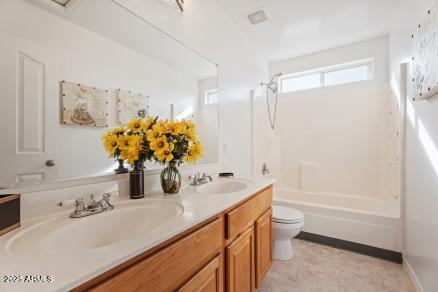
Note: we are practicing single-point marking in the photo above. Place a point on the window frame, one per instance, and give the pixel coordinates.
(208, 93)
(369, 62)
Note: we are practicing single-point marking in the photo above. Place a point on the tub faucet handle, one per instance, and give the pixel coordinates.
(265, 169)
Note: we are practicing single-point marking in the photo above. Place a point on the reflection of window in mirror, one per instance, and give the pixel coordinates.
(211, 96)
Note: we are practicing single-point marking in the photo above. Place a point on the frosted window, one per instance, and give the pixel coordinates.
(211, 96)
(346, 75)
(301, 82)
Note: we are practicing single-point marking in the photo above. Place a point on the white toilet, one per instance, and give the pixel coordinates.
(287, 223)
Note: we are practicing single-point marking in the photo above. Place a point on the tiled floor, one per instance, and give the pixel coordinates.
(320, 268)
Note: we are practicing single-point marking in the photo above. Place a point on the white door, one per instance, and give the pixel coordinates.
(29, 111)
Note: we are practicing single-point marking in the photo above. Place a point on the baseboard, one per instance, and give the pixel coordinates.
(412, 275)
(380, 253)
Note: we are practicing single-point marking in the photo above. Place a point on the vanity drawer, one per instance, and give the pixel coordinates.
(242, 217)
(171, 267)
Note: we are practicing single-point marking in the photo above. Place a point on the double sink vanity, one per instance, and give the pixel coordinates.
(212, 237)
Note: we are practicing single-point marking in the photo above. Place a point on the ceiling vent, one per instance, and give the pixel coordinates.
(257, 17)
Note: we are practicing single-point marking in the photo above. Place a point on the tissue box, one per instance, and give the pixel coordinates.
(9, 212)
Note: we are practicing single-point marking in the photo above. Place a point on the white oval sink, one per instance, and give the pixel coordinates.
(223, 186)
(63, 235)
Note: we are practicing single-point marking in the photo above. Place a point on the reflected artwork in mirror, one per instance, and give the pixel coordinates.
(122, 66)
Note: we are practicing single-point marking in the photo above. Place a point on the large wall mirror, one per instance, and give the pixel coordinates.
(109, 57)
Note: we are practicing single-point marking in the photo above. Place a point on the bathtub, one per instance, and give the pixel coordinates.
(354, 218)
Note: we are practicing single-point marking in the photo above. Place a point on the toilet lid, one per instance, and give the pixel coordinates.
(286, 215)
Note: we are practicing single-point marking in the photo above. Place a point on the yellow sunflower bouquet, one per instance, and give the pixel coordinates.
(162, 141)
(165, 142)
(174, 142)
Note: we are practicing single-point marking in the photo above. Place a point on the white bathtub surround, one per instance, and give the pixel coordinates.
(335, 139)
(308, 176)
(80, 259)
(330, 139)
(352, 218)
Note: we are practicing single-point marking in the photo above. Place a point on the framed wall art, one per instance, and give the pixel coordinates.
(131, 105)
(83, 105)
(425, 56)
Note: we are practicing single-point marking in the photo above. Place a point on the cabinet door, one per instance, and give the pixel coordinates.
(263, 246)
(209, 279)
(240, 263)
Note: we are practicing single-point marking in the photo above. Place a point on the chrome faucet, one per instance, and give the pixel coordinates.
(92, 207)
(199, 179)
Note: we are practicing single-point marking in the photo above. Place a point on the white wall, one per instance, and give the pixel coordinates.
(421, 158)
(338, 129)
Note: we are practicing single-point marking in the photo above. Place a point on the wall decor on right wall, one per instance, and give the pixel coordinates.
(131, 105)
(425, 56)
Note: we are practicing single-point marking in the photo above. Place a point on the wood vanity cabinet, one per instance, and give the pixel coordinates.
(240, 258)
(249, 242)
(231, 252)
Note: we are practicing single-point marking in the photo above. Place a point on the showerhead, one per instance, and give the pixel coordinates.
(272, 81)
(276, 75)
(273, 85)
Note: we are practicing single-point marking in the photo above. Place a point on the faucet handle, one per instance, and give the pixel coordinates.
(105, 202)
(106, 196)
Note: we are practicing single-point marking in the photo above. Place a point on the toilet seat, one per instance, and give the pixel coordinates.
(285, 215)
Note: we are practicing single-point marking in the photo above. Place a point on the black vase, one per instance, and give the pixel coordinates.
(136, 184)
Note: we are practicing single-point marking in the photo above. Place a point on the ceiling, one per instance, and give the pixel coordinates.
(116, 21)
(299, 27)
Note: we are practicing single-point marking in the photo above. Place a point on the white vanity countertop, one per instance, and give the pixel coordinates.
(70, 269)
